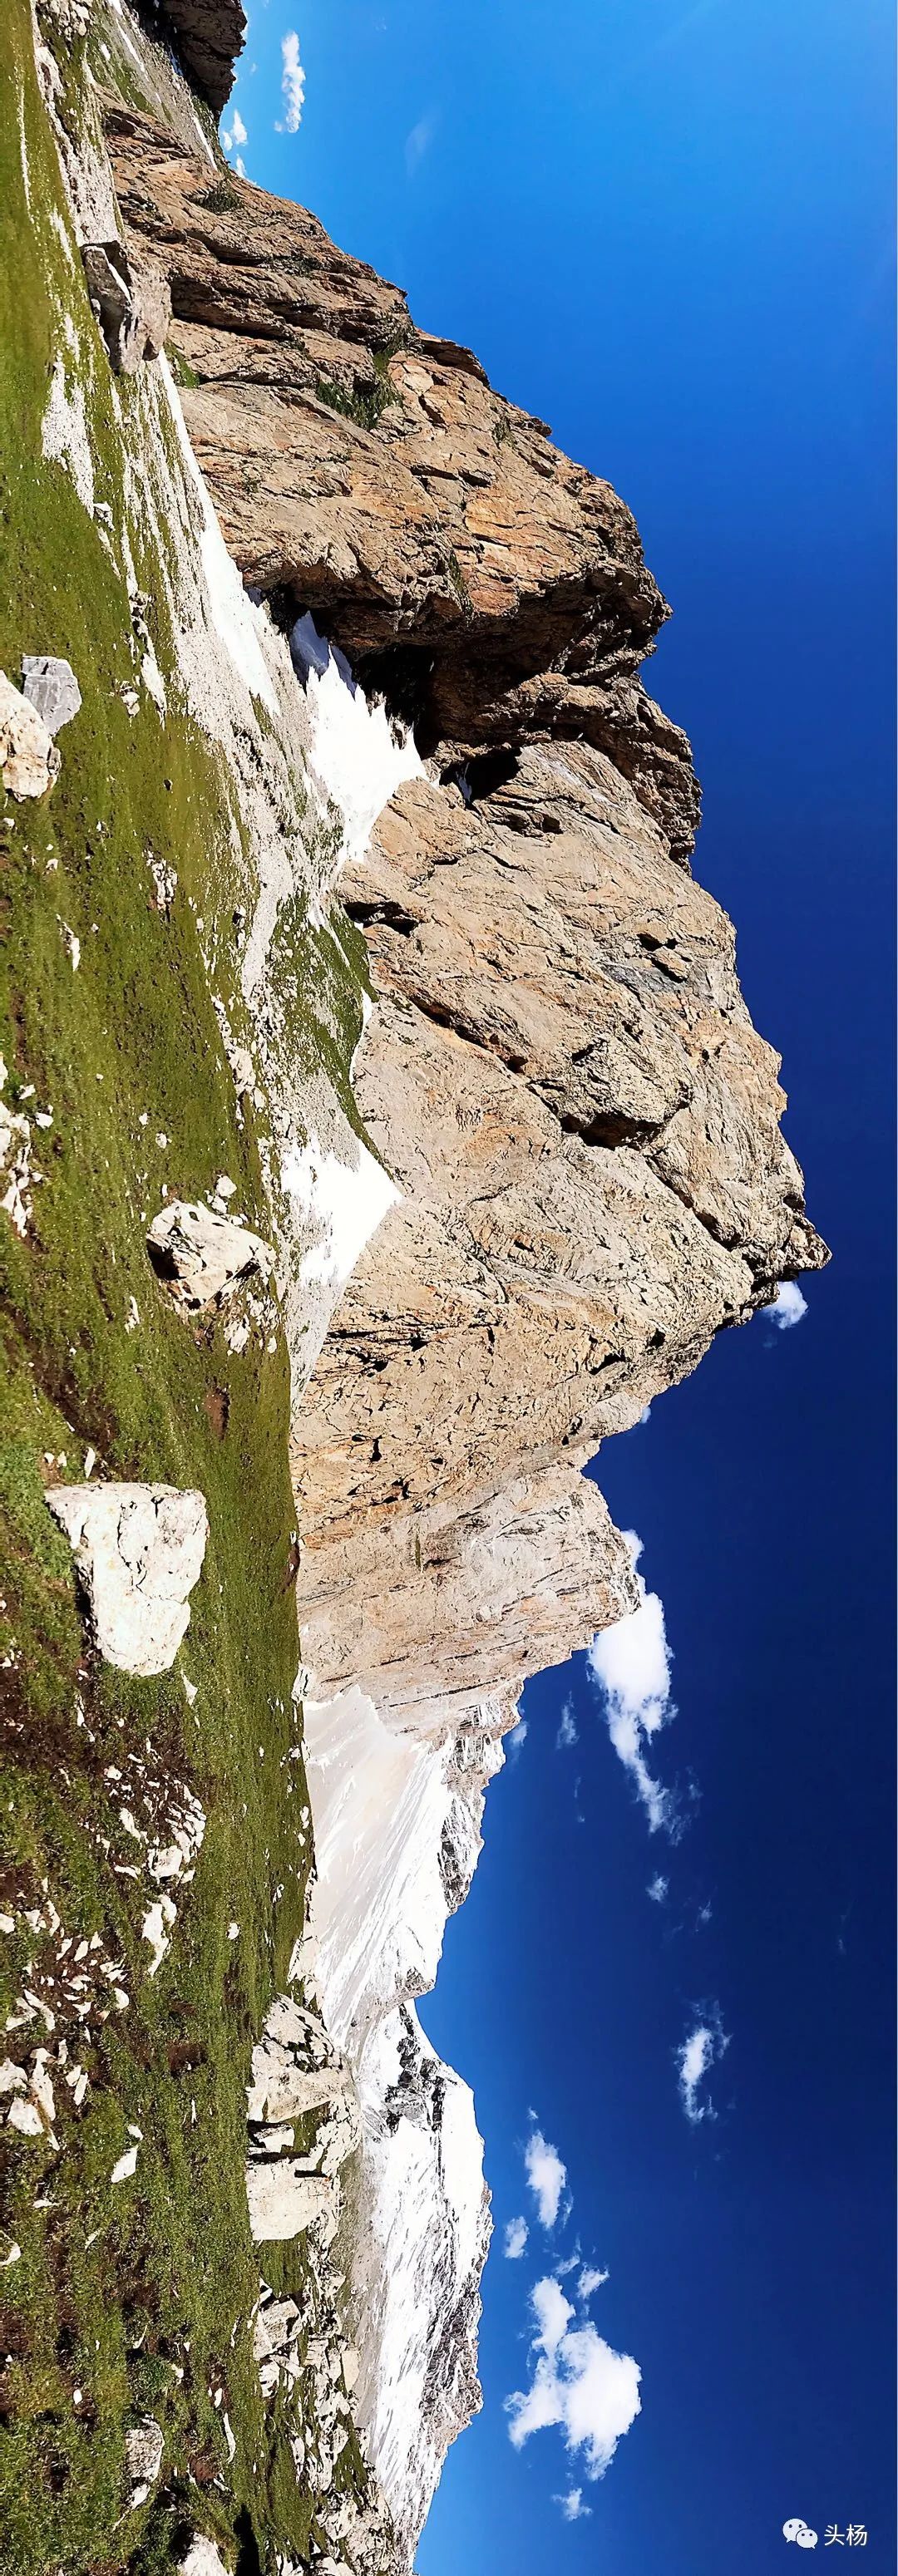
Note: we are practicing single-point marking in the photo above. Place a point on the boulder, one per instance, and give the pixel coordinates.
(203, 2558)
(29, 760)
(284, 2201)
(131, 301)
(144, 2446)
(203, 1257)
(139, 1551)
(50, 685)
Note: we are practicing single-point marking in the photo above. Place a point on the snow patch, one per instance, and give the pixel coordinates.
(237, 622)
(397, 1826)
(356, 756)
(343, 1203)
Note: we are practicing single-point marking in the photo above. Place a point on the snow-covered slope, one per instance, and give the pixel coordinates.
(397, 1835)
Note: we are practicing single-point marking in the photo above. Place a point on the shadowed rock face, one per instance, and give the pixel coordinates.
(209, 35)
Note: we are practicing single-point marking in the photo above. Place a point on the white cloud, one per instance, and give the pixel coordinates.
(293, 84)
(578, 2383)
(572, 2505)
(590, 2279)
(546, 2176)
(631, 1662)
(418, 142)
(517, 1738)
(235, 133)
(553, 2313)
(704, 1915)
(516, 2234)
(703, 2048)
(788, 1307)
(567, 1732)
(658, 1888)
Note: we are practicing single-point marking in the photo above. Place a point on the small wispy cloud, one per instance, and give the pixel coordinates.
(293, 85)
(235, 133)
(517, 1738)
(546, 2175)
(788, 1306)
(578, 2383)
(703, 1916)
(572, 2505)
(418, 142)
(658, 1888)
(516, 2234)
(567, 1732)
(705, 2045)
(591, 2279)
(631, 1663)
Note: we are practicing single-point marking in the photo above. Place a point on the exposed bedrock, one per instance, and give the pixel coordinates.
(368, 471)
(585, 1128)
(209, 35)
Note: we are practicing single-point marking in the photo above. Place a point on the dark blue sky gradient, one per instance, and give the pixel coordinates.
(667, 230)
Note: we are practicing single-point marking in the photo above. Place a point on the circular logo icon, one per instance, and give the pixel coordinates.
(800, 2532)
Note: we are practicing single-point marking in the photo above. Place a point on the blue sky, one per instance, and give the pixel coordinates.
(667, 229)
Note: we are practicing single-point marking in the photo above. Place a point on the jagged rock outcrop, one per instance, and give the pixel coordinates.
(131, 302)
(368, 470)
(209, 35)
(585, 1128)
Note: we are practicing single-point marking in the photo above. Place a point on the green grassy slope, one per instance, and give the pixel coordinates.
(134, 2297)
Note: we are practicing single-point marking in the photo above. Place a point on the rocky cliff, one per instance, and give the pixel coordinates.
(415, 903)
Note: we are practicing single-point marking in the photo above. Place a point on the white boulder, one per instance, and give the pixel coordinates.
(203, 1257)
(284, 2201)
(139, 1551)
(203, 2559)
(29, 760)
(50, 685)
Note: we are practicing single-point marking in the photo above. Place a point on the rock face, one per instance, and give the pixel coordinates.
(139, 1551)
(369, 471)
(131, 302)
(297, 2076)
(584, 1125)
(209, 35)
